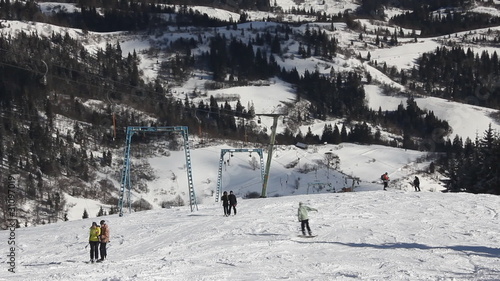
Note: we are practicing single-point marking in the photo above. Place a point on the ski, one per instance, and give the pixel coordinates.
(307, 236)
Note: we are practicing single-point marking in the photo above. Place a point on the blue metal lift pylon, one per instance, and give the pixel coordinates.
(125, 180)
(221, 161)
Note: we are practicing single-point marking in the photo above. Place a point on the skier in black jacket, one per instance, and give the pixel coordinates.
(225, 203)
(232, 202)
(416, 184)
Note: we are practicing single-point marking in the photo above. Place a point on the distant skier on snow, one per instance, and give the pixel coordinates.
(103, 239)
(95, 231)
(385, 179)
(232, 203)
(304, 218)
(416, 184)
(225, 203)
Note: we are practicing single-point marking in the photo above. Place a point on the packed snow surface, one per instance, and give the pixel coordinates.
(375, 235)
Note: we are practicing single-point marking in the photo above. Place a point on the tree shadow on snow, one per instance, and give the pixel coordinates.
(42, 263)
(476, 250)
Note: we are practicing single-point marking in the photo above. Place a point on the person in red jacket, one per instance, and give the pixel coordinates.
(103, 239)
(385, 179)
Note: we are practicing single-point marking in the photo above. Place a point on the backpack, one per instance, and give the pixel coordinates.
(382, 177)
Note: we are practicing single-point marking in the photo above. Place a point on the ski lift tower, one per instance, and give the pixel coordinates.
(221, 162)
(270, 152)
(125, 178)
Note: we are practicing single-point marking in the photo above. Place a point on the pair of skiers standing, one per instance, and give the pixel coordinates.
(229, 202)
(98, 238)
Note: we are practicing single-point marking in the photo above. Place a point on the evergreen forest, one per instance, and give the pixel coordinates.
(50, 79)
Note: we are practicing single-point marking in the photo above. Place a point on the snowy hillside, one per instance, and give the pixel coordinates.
(294, 171)
(364, 163)
(401, 56)
(367, 234)
(377, 235)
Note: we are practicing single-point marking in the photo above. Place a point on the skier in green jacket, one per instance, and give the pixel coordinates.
(304, 218)
(94, 233)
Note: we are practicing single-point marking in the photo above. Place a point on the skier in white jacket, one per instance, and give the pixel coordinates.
(304, 218)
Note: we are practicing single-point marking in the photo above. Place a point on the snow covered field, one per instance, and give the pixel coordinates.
(365, 163)
(369, 235)
(376, 235)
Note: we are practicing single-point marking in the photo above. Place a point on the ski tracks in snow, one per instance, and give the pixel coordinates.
(361, 236)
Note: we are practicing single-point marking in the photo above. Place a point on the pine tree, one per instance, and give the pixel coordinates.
(488, 163)
(85, 214)
(327, 136)
(336, 135)
(101, 212)
(343, 134)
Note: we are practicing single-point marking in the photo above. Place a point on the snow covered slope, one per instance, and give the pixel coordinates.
(293, 172)
(377, 235)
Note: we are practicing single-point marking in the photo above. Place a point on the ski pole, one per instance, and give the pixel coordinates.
(87, 245)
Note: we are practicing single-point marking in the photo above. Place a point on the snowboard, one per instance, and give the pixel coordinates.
(306, 236)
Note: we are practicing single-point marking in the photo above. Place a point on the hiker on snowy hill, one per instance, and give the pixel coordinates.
(103, 239)
(304, 218)
(385, 179)
(95, 231)
(416, 184)
(232, 202)
(225, 203)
